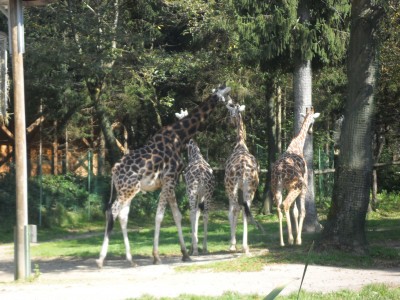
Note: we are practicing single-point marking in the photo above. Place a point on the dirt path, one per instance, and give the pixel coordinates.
(80, 279)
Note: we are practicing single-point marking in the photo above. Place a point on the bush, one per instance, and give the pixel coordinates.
(60, 195)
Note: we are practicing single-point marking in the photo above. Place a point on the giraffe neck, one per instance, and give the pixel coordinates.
(241, 133)
(297, 144)
(187, 127)
(194, 153)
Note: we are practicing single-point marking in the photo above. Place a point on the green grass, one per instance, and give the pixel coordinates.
(84, 241)
(369, 292)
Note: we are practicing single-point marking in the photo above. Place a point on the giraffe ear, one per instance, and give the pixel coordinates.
(242, 107)
(316, 115)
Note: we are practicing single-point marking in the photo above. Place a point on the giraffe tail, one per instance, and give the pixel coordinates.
(109, 215)
(248, 213)
(247, 210)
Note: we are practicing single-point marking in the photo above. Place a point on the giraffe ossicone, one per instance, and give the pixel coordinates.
(289, 172)
(156, 165)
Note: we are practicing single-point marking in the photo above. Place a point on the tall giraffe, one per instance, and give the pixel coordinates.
(155, 166)
(241, 173)
(200, 184)
(290, 172)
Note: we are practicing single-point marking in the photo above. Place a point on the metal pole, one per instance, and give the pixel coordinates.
(40, 166)
(22, 244)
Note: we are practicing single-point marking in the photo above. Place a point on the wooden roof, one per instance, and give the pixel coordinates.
(28, 2)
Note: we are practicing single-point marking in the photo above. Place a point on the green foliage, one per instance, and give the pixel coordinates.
(62, 195)
(388, 201)
(278, 29)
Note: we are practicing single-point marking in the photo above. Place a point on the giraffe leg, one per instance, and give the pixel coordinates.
(278, 202)
(205, 224)
(295, 212)
(233, 217)
(194, 220)
(159, 217)
(291, 197)
(123, 220)
(245, 243)
(302, 215)
(178, 221)
(104, 247)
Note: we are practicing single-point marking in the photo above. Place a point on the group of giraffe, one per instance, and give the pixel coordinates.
(158, 164)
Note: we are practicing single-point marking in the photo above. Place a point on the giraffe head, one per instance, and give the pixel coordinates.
(234, 111)
(309, 119)
(222, 91)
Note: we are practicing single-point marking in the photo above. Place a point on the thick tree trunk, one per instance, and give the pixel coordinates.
(345, 228)
(302, 85)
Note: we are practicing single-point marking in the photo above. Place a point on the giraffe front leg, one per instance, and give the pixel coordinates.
(159, 218)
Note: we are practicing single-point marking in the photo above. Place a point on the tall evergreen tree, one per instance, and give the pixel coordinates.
(291, 36)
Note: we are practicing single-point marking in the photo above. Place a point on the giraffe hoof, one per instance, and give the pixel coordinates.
(133, 264)
(232, 248)
(246, 251)
(99, 263)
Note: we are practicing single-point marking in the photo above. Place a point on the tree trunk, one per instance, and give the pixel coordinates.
(113, 152)
(55, 150)
(272, 145)
(302, 87)
(345, 228)
(302, 82)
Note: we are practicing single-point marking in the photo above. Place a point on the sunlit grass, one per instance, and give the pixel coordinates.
(369, 292)
(85, 240)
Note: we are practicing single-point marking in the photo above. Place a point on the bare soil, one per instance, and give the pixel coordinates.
(80, 278)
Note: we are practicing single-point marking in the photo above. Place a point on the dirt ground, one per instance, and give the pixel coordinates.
(81, 279)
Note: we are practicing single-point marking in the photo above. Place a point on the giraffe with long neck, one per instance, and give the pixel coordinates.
(156, 165)
(200, 184)
(290, 172)
(241, 174)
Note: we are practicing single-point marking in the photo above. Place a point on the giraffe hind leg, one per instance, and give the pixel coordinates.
(290, 198)
(302, 216)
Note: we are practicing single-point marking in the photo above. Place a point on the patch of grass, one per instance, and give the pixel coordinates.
(369, 292)
(225, 296)
(241, 264)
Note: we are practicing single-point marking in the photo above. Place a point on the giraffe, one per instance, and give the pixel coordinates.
(241, 173)
(290, 172)
(200, 184)
(155, 166)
